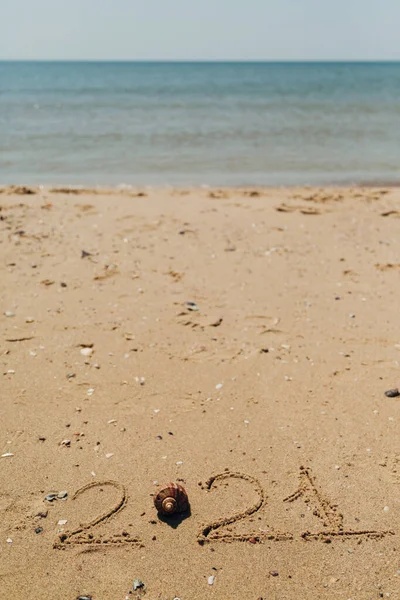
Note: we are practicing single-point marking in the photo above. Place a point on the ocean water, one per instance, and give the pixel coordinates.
(199, 123)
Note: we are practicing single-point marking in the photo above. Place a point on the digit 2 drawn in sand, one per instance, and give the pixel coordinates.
(81, 534)
(209, 533)
(332, 520)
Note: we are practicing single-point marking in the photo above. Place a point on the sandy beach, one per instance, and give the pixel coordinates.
(155, 336)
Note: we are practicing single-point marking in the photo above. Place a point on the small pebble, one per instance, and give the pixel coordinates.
(62, 522)
(393, 393)
(274, 573)
(386, 509)
(29, 320)
(9, 541)
(86, 351)
(62, 495)
(211, 580)
(38, 529)
(109, 455)
(219, 386)
(8, 313)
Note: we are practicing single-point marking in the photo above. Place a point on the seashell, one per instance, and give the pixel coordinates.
(171, 499)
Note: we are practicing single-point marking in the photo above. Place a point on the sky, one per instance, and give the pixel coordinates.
(202, 30)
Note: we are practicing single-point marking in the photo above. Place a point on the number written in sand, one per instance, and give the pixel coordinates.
(332, 520)
(83, 535)
(214, 532)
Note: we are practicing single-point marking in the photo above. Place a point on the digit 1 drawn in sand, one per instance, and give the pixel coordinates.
(394, 465)
(81, 534)
(332, 520)
(209, 533)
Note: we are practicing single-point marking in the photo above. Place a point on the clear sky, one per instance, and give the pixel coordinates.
(202, 29)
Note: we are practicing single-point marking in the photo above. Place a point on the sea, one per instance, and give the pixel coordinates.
(193, 124)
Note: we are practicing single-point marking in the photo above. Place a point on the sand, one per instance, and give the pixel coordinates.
(276, 385)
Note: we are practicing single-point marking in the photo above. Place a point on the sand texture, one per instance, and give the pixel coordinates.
(267, 403)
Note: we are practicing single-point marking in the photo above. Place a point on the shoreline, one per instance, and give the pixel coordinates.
(125, 189)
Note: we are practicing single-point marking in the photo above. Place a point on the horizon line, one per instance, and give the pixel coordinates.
(202, 61)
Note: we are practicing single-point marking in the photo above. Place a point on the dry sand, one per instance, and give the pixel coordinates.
(284, 366)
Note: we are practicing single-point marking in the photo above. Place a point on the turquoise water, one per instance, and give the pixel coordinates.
(199, 123)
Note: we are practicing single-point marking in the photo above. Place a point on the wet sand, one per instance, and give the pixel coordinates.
(275, 385)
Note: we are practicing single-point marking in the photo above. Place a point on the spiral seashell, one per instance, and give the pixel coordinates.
(171, 499)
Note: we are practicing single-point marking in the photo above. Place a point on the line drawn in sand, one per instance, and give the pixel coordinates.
(332, 520)
(212, 532)
(82, 535)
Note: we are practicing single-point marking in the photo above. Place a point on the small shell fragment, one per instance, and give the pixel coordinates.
(86, 351)
(51, 497)
(7, 455)
(191, 305)
(138, 585)
(211, 580)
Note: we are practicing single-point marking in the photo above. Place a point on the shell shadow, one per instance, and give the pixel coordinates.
(176, 519)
